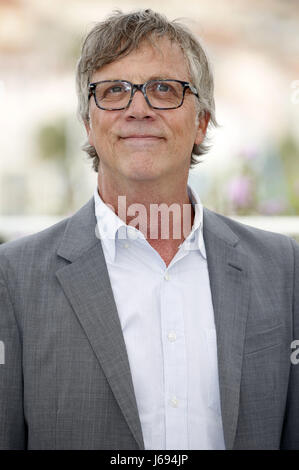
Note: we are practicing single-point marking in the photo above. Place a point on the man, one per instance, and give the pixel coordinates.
(118, 336)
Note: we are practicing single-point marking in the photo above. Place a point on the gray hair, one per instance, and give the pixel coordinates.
(120, 34)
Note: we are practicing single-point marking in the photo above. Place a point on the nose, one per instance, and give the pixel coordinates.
(139, 109)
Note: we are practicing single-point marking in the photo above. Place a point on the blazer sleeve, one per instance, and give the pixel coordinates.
(290, 435)
(12, 423)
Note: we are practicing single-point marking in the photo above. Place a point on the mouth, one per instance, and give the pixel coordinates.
(141, 140)
(141, 137)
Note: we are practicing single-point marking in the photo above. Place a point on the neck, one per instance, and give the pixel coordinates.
(160, 212)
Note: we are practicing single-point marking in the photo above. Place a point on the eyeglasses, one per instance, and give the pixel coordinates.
(113, 95)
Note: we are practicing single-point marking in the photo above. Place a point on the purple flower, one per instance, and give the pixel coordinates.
(239, 191)
(272, 206)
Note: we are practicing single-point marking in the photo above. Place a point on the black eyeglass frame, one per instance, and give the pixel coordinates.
(140, 87)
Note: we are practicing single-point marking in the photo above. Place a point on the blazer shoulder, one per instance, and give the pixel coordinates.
(44, 240)
(250, 239)
(41, 247)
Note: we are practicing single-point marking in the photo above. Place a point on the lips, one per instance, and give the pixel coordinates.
(141, 136)
(141, 141)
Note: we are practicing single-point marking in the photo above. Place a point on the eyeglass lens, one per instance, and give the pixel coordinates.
(161, 94)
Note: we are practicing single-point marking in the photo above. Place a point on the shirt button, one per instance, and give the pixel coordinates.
(132, 233)
(166, 276)
(171, 336)
(174, 402)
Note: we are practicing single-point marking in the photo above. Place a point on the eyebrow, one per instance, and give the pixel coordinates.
(160, 77)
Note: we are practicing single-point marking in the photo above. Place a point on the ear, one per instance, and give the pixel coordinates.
(203, 122)
(88, 127)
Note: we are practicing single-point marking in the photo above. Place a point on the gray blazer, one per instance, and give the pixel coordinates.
(66, 381)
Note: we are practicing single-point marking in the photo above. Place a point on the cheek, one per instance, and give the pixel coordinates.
(97, 131)
(102, 135)
(185, 133)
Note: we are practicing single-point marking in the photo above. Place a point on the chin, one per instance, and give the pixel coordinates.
(142, 175)
(142, 166)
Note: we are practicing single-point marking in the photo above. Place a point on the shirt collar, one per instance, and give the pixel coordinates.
(111, 228)
(108, 224)
(195, 240)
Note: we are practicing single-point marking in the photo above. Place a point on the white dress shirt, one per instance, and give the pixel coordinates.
(167, 319)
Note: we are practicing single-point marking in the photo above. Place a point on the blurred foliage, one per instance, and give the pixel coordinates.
(53, 143)
(52, 140)
(241, 189)
(259, 181)
(289, 152)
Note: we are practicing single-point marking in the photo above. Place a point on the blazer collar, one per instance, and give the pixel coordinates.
(215, 224)
(80, 234)
(81, 231)
(110, 226)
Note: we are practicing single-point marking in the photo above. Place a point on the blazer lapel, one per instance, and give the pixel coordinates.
(229, 280)
(86, 284)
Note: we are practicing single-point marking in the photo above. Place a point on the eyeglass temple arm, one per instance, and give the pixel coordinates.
(192, 88)
(91, 89)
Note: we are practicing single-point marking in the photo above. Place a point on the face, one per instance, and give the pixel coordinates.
(141, 143)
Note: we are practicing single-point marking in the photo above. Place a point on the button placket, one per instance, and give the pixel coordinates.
(175, 364)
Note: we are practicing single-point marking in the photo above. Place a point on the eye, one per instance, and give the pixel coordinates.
(116, 89)
(163, 87)
(112, 90)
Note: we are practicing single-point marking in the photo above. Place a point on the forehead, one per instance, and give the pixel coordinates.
(158, 59)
